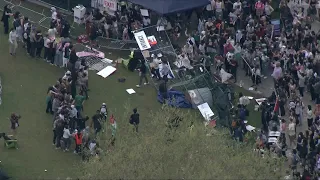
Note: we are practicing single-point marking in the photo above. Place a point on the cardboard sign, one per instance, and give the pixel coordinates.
(206, 111)
(152, 40)
(110, 4)
(142, 40)
(144, 12)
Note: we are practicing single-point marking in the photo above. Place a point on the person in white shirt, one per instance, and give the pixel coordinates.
(292, 132)
(268, 9)
(309, 116)
(46, 43)
(13, 44)
(54, 14)
(66, 138)
(52, 32)
(243, 100)
(236, 5)
(73, 116)
(155, 62)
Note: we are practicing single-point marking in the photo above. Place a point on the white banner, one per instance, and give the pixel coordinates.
(110, 6)
(142, 40)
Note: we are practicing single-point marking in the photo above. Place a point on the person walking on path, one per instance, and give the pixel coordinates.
(13, 44)
(143, 74)
(135, 119)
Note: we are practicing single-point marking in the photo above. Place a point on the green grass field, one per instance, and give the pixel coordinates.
(25, 82)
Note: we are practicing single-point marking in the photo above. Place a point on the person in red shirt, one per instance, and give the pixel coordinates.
(78, 139)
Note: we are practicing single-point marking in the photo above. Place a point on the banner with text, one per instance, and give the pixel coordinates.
(142, 40)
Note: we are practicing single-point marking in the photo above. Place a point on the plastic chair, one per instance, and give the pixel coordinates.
(12, 143)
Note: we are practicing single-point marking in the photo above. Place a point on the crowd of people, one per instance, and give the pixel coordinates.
(54, 50)
(228, 34)
(242, 33)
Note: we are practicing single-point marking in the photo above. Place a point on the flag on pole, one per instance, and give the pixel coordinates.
(113, 124)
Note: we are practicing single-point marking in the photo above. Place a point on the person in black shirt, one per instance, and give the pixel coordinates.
(143, 73)
(96, 120)
(98, 16)
(163, 90)
(81, 122)
(135, 119)
(5, 18)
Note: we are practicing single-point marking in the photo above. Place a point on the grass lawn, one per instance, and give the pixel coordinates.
(25, 82)
(254, 118)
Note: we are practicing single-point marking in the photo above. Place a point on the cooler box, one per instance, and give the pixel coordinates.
(79, 12)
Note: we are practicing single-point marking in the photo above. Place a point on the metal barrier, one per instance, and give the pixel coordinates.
(43, 20)
(19, 7)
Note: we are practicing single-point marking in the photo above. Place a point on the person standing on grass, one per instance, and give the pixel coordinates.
(78, 102)
(66, 138)
(5, 18)
(49, 99)
(97, 122)
(59, 130)
(13, 42)
(17, 25)
(14, 119)
(78, 139)
(143, 74)
(135, 119)
(33, 41)
(39, 43)
(46, 43)
(73, 117)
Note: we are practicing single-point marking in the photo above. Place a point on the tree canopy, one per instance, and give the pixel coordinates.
(176, 145)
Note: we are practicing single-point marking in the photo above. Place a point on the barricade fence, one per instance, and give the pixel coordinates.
(42, 18)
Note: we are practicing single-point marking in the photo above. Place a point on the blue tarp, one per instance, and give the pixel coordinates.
(175, 99)
(170, 6)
